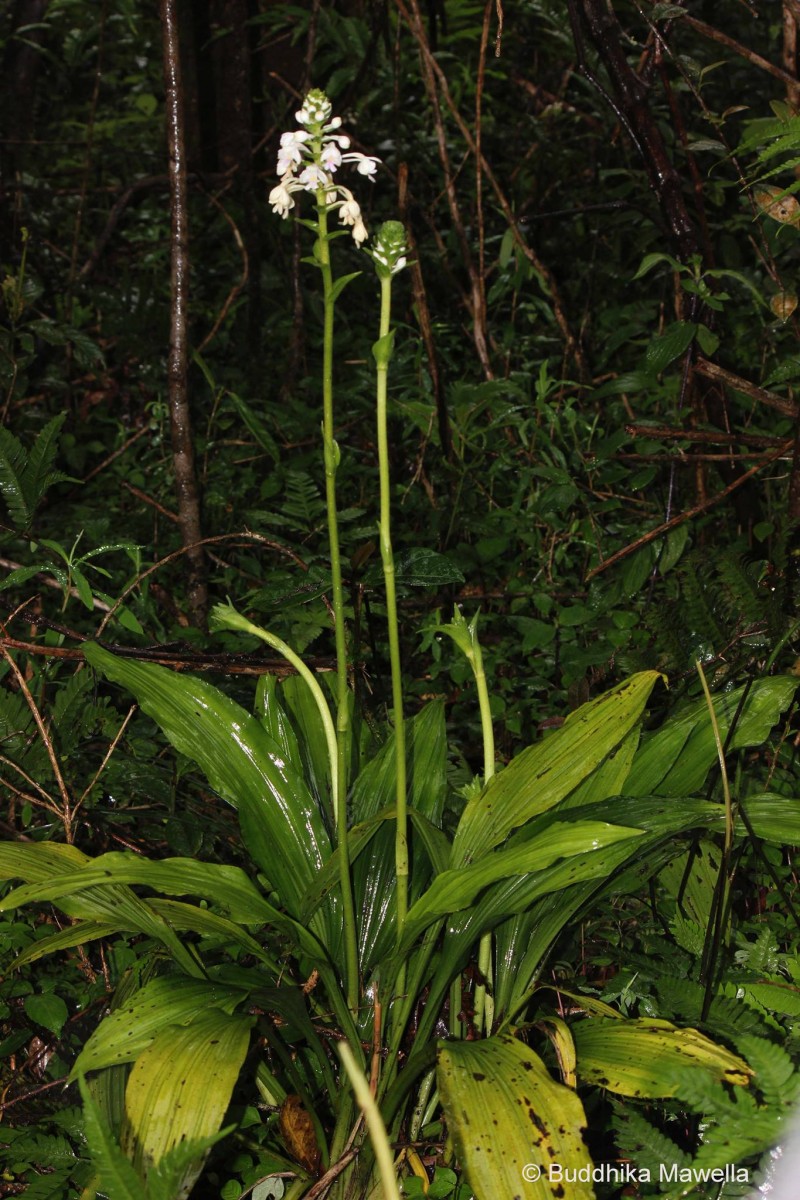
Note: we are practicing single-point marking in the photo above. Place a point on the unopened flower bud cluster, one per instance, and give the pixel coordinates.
(310, 156)
(389, 249)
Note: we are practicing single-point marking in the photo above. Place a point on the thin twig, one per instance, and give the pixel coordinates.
(665, 527)
(715, 437)
(65, 815)
(116, 453)
(106, 757)
(703, 366)
(45, 803)
(324, 1184)
(228, 664)
(143, 496)
(208, 541)
(572, 344)
(724, 39)
(237, 287)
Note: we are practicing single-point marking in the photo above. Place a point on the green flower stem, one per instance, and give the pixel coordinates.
(227, 617)
(331, 459)
(484, 1007)
(383, 351)
(466, 638)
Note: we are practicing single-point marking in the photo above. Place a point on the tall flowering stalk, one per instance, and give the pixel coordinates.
(389, 256)
(308, 160)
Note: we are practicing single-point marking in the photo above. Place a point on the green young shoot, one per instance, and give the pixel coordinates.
(465, 636)
(377, 1129)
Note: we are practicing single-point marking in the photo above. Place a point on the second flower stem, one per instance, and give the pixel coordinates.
(382, 352)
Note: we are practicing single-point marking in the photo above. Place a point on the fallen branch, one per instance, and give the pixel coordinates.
(666, 526)
(712, 370)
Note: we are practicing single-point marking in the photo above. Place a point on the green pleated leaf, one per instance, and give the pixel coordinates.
(311, 755)
(173, 1176)
(510, 1121)
(226, 886)
(774, 818)
(281, 823)
(169, 1000)
(456, 889)
(374, 881)
(544, 774)
(358, 839)
(609, 778)
(675, 760)
(190, 918)
(180, 1087)
(79, 934)
(83, 891)
(645, 1057)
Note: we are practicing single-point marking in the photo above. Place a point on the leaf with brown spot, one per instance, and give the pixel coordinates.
(504, 1111)
(776, 203)
(643, 1056)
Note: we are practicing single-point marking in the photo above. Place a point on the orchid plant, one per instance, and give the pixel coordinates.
(362, 921)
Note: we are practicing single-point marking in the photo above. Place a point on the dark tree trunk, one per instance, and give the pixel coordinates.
(177, 364)
(21, 66)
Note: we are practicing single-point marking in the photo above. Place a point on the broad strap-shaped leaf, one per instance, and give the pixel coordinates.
(508, 1116)
(546, 773)
(645, 1057)
(774, 818)
(454, 890)
(96, 891)
(561, 889)
(96, 898)
(292, 717)
(80, 933)
(169, 1000)
(282, 826)
(225, 886)
(675, 760)
(374, 790)
(180, 1087)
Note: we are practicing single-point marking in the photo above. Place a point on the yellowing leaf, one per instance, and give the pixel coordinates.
(180, 1087)
(511, 1121)
(644, 1057)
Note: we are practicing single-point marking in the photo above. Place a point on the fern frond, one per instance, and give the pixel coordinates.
(302, 504)
(13, 463)
(775, 1072)
(639, 1140)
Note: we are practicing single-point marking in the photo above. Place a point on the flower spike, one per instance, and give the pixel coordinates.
(308, 159)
